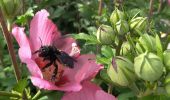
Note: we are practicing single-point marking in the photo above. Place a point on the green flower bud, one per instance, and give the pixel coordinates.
(148, 66)
(139, 23)
(116, 16)
(125, 48)
(121, 72)
(105, 34)
(146, 43)
(167, 83)
(122, 27)
(166, 59)
(10, 8)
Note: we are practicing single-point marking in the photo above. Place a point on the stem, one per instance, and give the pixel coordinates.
(36, 95)
(110, 89)
(119, 47)
(150, 10)
(1, 55)
(8, 39)
(9, 94)
(100, 7)
(160, 6)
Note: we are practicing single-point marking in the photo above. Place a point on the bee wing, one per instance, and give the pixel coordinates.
(65, 59)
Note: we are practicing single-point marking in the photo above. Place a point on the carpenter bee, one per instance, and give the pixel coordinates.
(51, 53)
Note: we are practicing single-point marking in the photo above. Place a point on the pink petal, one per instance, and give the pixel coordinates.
(43, 84)
(101, 95)
(85, 68)
(20, 36)
(64, 44)
(42, 29)
(33, 68)
(88, 92)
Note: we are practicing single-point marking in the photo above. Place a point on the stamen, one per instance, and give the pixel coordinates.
(75, 52)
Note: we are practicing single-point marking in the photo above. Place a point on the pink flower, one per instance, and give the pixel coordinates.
(88, 92)
(70, 80)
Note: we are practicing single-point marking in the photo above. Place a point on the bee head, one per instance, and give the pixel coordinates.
(44, 51)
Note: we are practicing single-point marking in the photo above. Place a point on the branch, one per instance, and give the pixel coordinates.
(8, 39)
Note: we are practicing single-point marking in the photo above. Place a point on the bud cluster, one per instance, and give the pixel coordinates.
(139, 55)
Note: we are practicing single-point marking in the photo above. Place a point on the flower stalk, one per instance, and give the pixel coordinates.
(8, 39)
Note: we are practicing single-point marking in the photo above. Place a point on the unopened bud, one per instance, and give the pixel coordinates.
(121, 72)
(122, 27)
(10, 8)
(146, 43)
(166, 59)
(105, 34)
(148, 66)
(116, 16)
(139, 23)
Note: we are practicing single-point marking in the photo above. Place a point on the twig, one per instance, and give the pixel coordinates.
(10, 46)
(150, 9)
(110, 88)
(160, 6)
(100, 7)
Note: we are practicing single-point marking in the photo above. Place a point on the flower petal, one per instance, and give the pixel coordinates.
(85, 68)
(42, 29)
(20, 36)
(33, 68)
(88, 92)
(64, 44)
(43, 84)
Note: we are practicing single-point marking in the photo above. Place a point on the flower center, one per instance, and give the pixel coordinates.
(49, 73)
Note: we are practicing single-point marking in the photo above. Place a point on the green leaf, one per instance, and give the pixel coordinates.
(126, 96)
(103, 60)
(20, 86)
(108, 51)
(23, 18)
(159, 46)
(50, 95)
(90, 39)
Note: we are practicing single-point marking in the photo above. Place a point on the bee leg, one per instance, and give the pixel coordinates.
(46, 58)
(47, 65)
(54, 72)
(36, 52)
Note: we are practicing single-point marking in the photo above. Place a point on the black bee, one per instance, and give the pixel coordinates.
(52, 54)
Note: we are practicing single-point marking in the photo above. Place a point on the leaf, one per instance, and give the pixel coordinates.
(108, 51)
(103, 60)
(58, 12)
(23, 18)
(20, 86)
(126, 96)
(159, 46)
(51, 95)
(90, 39)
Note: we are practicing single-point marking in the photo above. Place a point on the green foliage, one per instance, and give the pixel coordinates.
(81, 18)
